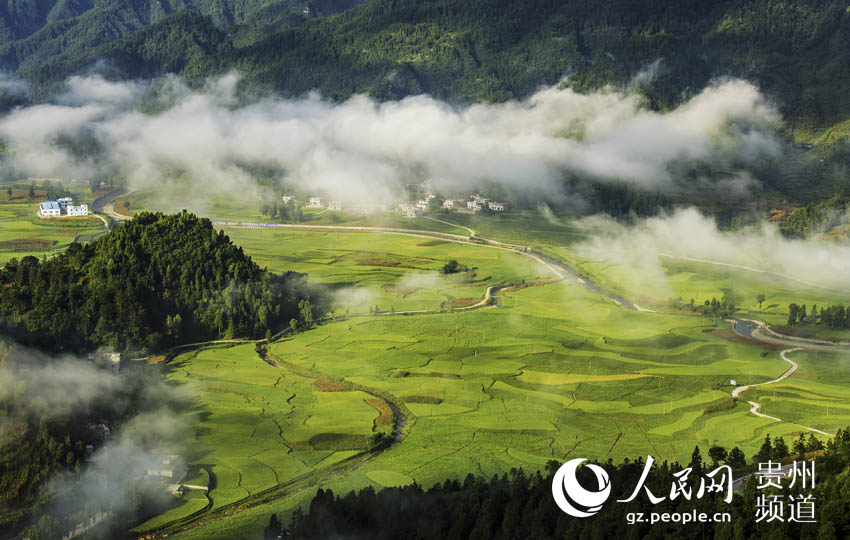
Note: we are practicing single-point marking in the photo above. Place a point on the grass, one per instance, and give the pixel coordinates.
(817, 394)
(393, 272)
(23, 233)
(531, 381)
(257, 426)
(698, 281)
(555, 372)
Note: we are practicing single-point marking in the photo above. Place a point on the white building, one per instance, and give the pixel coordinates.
(422, 204)
(81, 210)
(496, 206)
(49, 209)
(314, 202)
(413, 212)
(286, 199)
(113, 360)
(473, 205)
(62, 207)
(449, 203)
(335, 205)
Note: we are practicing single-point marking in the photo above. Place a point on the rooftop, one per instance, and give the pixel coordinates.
(49, 205)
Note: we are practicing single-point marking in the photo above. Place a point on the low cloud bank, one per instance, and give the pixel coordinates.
(363, 151)
(133, 420)
(687, 233)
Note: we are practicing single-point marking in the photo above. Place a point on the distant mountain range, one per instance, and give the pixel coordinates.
(39, 32)
(462, 51)
(468, 50)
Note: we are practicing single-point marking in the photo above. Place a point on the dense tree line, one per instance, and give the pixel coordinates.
(520, 506)
(157, 280)
(621, 200)
(832, 316)
(816, 218)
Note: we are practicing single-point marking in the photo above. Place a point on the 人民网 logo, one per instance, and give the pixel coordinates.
(565, 488)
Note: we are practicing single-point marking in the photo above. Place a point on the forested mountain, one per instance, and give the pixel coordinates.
(157, 280)
(33, 32)
(493, 50)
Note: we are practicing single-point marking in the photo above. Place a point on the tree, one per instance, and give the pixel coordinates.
(717, 454)
(736, 458)
(126, 205)
(696, 459)
(32, 191)
(9, 192)
(306, 312)
(760, 299)
(765, 452)
(450, 267)
(799, 446)
(94, 184)
(793, 309)
(780, 449)
(274, 529)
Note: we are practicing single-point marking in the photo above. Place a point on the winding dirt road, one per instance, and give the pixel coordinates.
(760, 331)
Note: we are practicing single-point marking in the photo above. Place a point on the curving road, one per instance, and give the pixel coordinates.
(760, 331)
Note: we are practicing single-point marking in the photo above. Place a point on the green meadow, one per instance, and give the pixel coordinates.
(23, 233)
(256, 426)
(247, 206)
(394, 272)
(555, 372)
(815, 395)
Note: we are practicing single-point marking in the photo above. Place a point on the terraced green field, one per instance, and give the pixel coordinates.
(391, 271)
(23, 233)
(247, 206)
(818, 394)
(257, 426)
(555, 372)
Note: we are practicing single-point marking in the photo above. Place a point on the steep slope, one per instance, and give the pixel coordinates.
(493, 50)
(34, 32)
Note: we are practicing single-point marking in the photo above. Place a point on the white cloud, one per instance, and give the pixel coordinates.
(362, 150)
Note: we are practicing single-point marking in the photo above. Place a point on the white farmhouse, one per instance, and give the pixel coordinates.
(449, 203)
(314, 202)
(81, 210)
(496, 206)
(62, 207)
(49, 209)
(335, 205)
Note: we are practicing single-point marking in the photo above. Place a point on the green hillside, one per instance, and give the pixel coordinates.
(35, 32)
(476, 50)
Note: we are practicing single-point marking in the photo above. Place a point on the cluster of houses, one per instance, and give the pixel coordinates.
(474, 203)
(416, 209)
(62, 207)
(412, 209)
(317, 202)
